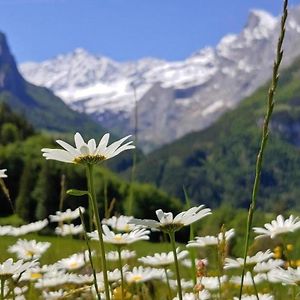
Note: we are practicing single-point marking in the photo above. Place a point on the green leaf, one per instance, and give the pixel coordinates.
(77, 193)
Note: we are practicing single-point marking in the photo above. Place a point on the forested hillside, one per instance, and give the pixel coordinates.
(217, 165)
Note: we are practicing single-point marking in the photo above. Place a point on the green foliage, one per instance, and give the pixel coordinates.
(25, 203)
(217, 165)
(9, 133)
(13, 127)
(35, 183)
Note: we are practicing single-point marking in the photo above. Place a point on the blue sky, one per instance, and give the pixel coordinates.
(123, 29)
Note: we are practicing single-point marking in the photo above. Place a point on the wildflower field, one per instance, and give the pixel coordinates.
(96, 252)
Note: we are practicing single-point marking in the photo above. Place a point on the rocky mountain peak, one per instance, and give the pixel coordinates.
(192, 93)
(10, 78)
(261, 18)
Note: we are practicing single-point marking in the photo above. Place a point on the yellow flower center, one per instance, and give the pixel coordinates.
(127, 228)
(88, 159)
(73, 265)
(29, 253)
(35, 276)
(118, 237)
(136, 278)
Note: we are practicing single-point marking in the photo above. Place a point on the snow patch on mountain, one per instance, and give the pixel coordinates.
(174, 97)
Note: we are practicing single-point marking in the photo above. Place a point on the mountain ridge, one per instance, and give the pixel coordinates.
(196, 91)
(217, 165)
(42, 108)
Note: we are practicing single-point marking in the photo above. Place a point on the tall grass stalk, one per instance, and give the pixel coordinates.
(98, 227)
(6, 193)
(192, 236)
(265, 136)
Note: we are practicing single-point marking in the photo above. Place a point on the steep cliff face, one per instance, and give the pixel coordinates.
(41, 107)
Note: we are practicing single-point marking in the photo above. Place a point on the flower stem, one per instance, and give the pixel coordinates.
(219, 271)
(265, 136)
(2, 289)
(99, 228)
(121, 271)
(168, 283)
(254, 285)
(172, 239)
(90, 205)
(192, 236)
(90, 255)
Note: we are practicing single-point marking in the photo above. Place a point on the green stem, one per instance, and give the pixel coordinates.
(2, 288)
(90, 256)
(90, 207)
(121, 271)
(254, 285)
(173, 243)
(99, 228)
(264, 139)
(219, 270)
(168, 283)
(105, 200)
(192, 236)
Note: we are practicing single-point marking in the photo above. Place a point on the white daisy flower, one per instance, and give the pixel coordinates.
(163, 259)
(167, 222)
(141, 274)
(211, 240)
(202, 295)
(66, 216)
(290, 276)
(29, 250)
(120, 223)
(28, 228)
(253, 297)
(2, 173)
(87, 153)
(185, 284)
(74, 262)
(278, 226)
(5, 230)
(18, 292)
(266, 266)
(69, 229)
(248, 279)
(9, 268)
(33, 274)
(54, 295)
(121, 238)
(250, 260)
(101, 290)
(212, 282)
(52, 279)
(113, 276)
(125, 255)
(80, 279)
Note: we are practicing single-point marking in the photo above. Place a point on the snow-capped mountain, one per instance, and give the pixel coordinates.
(174, 98)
